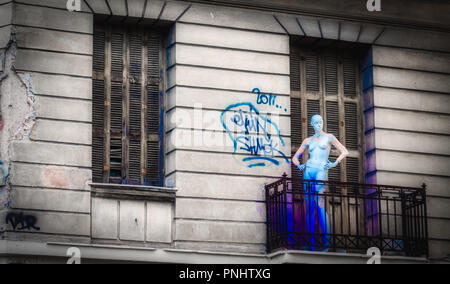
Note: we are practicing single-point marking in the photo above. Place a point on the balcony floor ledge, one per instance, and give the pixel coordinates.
(92, 253)
(312, 257)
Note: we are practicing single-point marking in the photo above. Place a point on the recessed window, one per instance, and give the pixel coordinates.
(327, 82)
(127, 103)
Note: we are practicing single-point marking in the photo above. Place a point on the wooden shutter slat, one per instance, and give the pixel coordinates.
(332, 109)
(98, 104)
(296, 124)
(352, 169)
(107, 116)
(295, 70)
(135, 55)
(116, 106)
(154, 44)
(153, 148)
(144, 109)
(117, 53)
(98, 59)
(97, 159)
(135, 162)
(126, 109)
(135, 111)
(351, 125)
(312, 73)
(153, 174)
(331, 75)
(334, 174)
(135, 133)
(349, 77)
(153, 110)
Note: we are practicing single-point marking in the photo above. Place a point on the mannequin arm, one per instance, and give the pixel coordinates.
(299, 152)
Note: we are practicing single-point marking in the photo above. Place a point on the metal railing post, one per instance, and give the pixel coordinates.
(425, 217)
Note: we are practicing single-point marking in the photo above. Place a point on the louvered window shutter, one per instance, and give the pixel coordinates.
(116, 103)
(296, 114)
(327, 83)
(331, 75)
(98, 107)
(154, 113)
(294, 61)
(349, 68)
(312, 73)
(127, 107)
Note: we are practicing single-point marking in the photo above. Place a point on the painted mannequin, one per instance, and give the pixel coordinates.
(316, 168)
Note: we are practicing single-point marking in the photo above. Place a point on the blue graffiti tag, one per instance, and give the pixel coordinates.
(267, 99)
(252, 134)
(264, 99)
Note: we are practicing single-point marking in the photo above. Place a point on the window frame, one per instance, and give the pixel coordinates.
(300, 96)
(151, 168)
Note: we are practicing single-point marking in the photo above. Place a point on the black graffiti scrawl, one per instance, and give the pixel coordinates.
(26, 222)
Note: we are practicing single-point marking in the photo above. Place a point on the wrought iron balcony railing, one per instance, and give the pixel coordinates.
(358, 217)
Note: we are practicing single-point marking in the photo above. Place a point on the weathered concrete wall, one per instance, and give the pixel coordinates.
(6, 56)
(46, 107)
(126, 220)
(220, 201)
(407, 141)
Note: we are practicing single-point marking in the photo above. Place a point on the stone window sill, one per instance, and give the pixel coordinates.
(132, 192)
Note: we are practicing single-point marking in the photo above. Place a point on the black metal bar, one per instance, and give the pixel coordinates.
(365, 211)
(372, 215)
(388, 217)
(333, 205)
(349, 221)
(380, 217)
(424, 197)
(416, 219)
(357, 216)
(395, 219)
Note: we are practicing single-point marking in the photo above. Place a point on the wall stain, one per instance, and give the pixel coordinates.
(56, 178)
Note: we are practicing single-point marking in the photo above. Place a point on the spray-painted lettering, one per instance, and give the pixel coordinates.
(253, 133)
(26, 222)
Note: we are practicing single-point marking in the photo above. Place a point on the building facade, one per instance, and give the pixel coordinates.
(146, 131)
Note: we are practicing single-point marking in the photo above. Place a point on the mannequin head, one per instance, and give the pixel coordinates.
(317, 123)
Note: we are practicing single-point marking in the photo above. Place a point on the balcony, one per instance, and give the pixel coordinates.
(358, 217)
